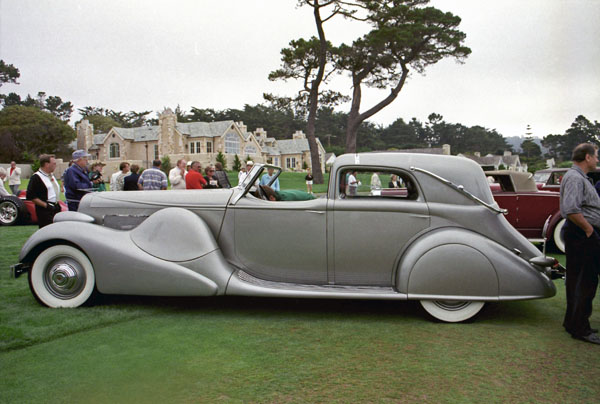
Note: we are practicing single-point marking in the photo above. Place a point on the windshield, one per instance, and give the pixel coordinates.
(251, 173)
(541, 177)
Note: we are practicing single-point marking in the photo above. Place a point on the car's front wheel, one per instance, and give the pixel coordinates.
(11, 211)
(452, 311)
(62, 276)
(559, 242)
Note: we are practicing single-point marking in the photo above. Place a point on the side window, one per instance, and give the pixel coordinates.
(362, 183)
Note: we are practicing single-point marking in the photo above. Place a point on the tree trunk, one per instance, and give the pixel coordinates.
(314, 99)
(355, 118)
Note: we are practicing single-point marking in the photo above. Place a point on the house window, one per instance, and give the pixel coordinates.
(290, 162)
(155, 152)
(208, 146)
(276, 161)
(232, 143)
(250, 150)
(115, 151)
(195, 147)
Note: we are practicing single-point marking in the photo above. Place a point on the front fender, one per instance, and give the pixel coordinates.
(172, 253)
(455, 263)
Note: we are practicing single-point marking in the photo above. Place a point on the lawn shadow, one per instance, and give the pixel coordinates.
(271, 307)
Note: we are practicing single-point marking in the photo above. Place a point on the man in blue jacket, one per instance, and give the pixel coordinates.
(76, 180)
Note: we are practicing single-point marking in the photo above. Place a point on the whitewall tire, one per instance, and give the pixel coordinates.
(559, 242)
(451, 311)
(62, 276)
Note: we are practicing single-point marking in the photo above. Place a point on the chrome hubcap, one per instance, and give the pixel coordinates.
(8, 212)
(64, 278)
(451, 305)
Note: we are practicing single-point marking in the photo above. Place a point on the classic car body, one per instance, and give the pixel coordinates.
(534, 213)
(18, 210)
(453, 250)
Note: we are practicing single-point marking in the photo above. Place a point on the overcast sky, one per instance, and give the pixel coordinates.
(534, 62)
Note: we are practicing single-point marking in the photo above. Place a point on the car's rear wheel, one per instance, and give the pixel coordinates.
(62, 276)
(452, 311)
(559, 242)
(12, 210)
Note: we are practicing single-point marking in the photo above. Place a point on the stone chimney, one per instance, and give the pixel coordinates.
(85, 135)
(167, 121)
(261, 135)
(243, 128)
(446, 149)
(298, 135)
(507, 153)
(477, 154)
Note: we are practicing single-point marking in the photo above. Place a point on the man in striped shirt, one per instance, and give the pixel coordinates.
(153, 178)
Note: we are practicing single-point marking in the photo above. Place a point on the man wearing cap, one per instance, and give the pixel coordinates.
(44, 192)
(77, 182)
(244, 173)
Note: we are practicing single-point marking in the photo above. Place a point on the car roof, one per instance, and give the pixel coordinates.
(522, 182)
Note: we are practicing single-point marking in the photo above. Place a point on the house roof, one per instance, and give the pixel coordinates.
(292, 146)
(205, 129)
(99, 139)
(272, 151)
(139, 134)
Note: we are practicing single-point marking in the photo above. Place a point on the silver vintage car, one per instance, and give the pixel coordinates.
(434, 235)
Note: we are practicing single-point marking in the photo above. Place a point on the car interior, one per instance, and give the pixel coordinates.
(376, 184)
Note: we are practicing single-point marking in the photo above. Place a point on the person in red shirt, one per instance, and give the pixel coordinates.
(194, 178)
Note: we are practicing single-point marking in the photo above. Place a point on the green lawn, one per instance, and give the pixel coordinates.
(236, 349)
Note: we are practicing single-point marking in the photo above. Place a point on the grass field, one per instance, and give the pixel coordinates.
(251, 350)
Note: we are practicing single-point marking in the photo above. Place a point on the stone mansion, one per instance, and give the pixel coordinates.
(200, 141)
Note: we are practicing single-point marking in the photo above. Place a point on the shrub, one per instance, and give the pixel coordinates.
(237, 164)
(221, 159)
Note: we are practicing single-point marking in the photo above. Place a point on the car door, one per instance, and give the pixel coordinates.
(370, 230)
(282, 241)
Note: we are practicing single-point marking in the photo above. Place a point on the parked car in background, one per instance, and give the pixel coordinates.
(529, 209)
(441, 240)
(18, 210)
(550, 178)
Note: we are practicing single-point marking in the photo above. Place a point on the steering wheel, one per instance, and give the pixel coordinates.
(261, 193)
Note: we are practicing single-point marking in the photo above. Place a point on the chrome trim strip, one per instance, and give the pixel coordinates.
(460, 189)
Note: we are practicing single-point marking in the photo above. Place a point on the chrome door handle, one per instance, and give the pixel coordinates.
(320, 212)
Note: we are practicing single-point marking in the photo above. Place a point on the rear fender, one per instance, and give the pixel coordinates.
(455, 263)
(556, 217)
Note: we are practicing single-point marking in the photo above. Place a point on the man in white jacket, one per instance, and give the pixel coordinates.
(177, 175)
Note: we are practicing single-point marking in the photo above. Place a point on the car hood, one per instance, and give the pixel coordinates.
(190, 199)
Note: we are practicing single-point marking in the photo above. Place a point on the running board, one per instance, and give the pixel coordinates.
(244, 284)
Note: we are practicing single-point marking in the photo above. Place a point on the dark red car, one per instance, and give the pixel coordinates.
(534, 213)
(550, 178)
(18, 210)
